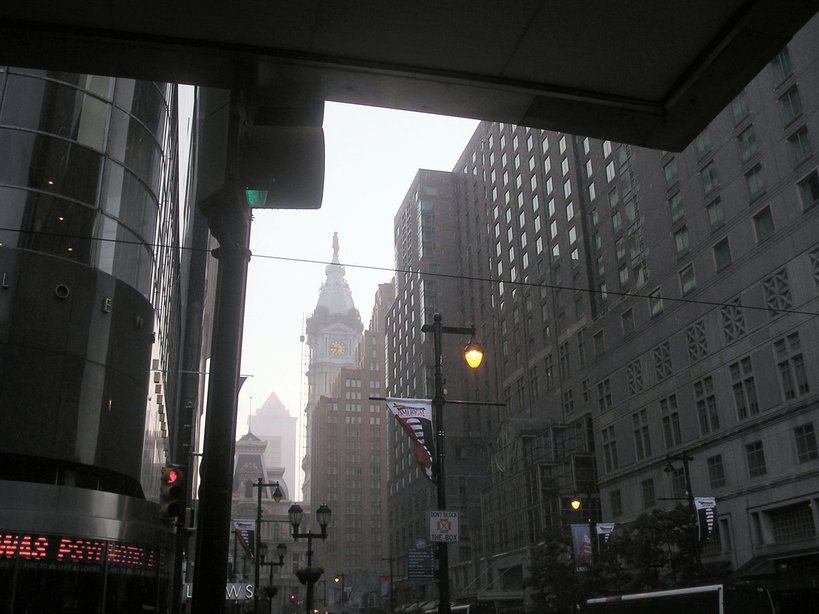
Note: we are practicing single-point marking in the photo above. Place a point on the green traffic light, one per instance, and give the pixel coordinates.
(255, 198)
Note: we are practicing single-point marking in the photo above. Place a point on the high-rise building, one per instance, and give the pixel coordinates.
(648, 314)
(333, 332)
(349, 456)
(97, 319)
(438, 263)
(346, 438)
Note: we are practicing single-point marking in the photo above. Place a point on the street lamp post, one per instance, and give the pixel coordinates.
(473, 355)
(270, 590)
(277, 496)
(310, 575)
(576, 504)
(685, 458)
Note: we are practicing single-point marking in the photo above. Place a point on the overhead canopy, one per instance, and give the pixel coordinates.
(648, 72)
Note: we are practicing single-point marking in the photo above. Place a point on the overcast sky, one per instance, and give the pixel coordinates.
(372, 156)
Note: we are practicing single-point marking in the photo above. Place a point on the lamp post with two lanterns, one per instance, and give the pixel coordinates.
(270, 590)
(309, 575)
(277, 496)
(473, 354)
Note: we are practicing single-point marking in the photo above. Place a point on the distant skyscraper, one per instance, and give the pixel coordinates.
(273, 423)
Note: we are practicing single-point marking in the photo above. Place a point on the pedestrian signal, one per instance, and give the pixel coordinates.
(172, 492)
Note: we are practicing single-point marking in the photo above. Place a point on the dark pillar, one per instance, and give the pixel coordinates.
(230, 223)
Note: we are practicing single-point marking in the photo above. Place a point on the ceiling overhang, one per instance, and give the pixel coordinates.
(646, 72)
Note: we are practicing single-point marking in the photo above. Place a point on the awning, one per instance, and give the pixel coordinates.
(783, 565)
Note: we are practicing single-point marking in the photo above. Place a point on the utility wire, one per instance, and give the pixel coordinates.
(493, 280)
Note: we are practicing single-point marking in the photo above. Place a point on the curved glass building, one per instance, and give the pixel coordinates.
(90, 228)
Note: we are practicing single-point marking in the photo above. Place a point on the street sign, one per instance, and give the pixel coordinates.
(420, 564)
(443, 526)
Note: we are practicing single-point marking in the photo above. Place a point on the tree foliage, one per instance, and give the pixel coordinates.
(655, 551)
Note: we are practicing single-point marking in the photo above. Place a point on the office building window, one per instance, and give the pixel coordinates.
(755, 180)
(716, 215)
(604, 401)
(705, 401)
(763, 225)
(809, 190)
(791, 365)
(792, 522)
(800, 146)
(740, 107)
(747, 144)
(655, 302)
(681, 241)
(568, 401)
(805, 438)
(744, 388)
(722, 254)
(781, 66)
(672, 434)
(642, 438)
(610, 460)
(687, 280)
(616, 502)
(598, 343)
(755, 456)
(549, 373)
(627, 321)
(710, 181)
(675, 206)
(647, 492)
(610, 172)
(671, 174)
(791, 105)
(716, 471)
(702, 144)
(565, 360)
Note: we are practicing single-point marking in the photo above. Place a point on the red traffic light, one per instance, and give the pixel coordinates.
(172, 492)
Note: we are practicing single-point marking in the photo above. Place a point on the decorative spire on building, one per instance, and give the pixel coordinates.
(335, 294)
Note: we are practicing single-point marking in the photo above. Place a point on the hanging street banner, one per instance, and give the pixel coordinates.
(604, 530)
(582, 546)
(706, 517)
(245, 532)
(443, 526)
(415, 417)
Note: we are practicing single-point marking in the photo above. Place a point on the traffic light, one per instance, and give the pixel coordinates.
(292, 598)
(172, 492)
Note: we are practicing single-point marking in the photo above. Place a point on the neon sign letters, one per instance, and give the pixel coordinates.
(63, 549)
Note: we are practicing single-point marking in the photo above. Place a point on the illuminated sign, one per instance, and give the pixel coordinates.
(75, 550)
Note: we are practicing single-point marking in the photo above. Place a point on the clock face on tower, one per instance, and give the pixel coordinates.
(338, 348)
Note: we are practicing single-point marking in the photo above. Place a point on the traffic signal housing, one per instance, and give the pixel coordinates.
(172, 492)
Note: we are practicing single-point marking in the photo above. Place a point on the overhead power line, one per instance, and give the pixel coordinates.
(492, 280)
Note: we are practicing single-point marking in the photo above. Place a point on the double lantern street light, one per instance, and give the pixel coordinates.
(473, 354)
(270, 590)
(260, 549)
(309, 575)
